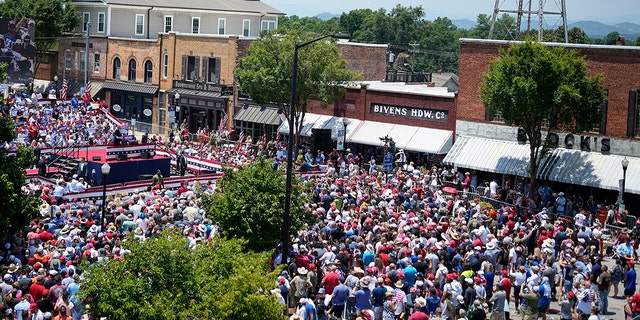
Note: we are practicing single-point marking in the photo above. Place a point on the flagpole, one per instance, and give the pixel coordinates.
(86, 56)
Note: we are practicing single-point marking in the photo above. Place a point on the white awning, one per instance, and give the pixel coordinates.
(489, 155)
(592, 169)
(429, 140)
(370, 132)
(311, 121)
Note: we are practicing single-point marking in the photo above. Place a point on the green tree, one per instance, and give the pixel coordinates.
(17, 209)
(439, 49)
(161, 278)
(353, 23)
(505, 28)
(52, 17)
(265, 73)
(610, 38)
(575, 34)
(250, 204)
(482, 27)
(532, 85)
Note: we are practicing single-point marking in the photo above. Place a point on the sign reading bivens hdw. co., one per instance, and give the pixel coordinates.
(410, 112)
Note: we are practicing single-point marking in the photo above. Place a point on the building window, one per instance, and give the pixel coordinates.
(148, 71)
(213, 70)
(116, 68)
(85, 20)
(67, 61)
(82, 62)
(245, 27)
(222, 24)
(168, 24)
(267, 25)
(195, 25)
(192, 65)
(165, 64)
(96, 62)
(633, 119)
(139, 24)
(132, 70)
(602, 126)
(101, 21)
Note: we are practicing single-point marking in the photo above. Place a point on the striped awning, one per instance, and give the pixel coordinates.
(259, 114)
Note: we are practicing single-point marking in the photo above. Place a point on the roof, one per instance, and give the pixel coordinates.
(208, 5)
(200, 93)
(402, 87)
(132, 87)
(259, 114)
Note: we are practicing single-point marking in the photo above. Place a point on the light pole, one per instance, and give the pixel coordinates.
(176, 101)
(55, 79)
(106, 168)
(345, 123)
(625, 165)
(292, 112)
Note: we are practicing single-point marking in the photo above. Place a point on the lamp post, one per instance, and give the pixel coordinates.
(625, 165)
(345, 123)
(55, 79)
(292, 111)
(106, 168)
(176, 101)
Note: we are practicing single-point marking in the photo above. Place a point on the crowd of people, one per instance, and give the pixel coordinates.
(385, 245)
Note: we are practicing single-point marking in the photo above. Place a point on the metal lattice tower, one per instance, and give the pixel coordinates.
(524, 9)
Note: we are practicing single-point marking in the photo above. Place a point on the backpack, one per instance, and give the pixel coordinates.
(617, 271)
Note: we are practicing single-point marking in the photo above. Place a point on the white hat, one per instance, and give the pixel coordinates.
(302, 270)
(491, 245)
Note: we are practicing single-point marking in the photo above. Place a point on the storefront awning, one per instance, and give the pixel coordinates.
(410, 138)
(259, 114)
(130, 87)
(184, 93)
(489, 155)
(591, 169)
(311, 121)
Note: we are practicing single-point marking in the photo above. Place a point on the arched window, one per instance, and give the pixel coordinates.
(148, 71)
(116, 68)
(132, 70)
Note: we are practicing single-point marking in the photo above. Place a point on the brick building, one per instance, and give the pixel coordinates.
(420, 118)
(591, 159)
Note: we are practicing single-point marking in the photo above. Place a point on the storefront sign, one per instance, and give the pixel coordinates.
(202, 86)
(410, 112)
(570, 141)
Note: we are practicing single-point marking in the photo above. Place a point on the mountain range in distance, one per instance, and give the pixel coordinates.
(593, 29)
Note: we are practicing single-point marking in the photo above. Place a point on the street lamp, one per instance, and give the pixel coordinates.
(106, 168)
(55, 79)
(345, 123)
(625, 165)
(292, 112)
(176, 101)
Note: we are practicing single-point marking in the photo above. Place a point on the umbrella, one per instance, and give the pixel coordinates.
(450, 190)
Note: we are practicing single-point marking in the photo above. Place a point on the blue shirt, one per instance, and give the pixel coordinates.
(378, 296)
(630, 281)
(410, 275)
(367, 257)
(340, 294)
(310, 310)
(433, 302)
(362, 299)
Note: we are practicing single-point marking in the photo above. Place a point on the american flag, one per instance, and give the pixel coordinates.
(278, 137)
(263, 139)
(223, 121)
(87, 93)
(65, 88)
(241, 137)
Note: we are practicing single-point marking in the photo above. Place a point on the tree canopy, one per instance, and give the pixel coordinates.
(17, 209)
(265, 72)
(538, 88)
(250, 203)
(161, 279)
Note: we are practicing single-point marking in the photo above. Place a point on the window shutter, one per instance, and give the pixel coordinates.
(631, 117)
(605, 106)
(184, 66)
(196, 68)
(217, 79)
(204, 69)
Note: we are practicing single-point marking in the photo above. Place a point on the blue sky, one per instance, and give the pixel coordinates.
(607, 11)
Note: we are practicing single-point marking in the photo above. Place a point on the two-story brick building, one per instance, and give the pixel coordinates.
(591, 159)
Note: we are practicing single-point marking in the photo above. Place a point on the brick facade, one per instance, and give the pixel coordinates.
(370, 59)
(357, 105)
(619, 66)
(73, 47)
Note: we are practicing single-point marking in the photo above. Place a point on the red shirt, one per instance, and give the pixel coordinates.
(419, 316)
(506, 286)
(330, 280)
(37, 291)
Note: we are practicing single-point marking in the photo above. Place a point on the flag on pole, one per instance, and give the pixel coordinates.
(65, 88)
(240, 140)
(223, 121)
(87, 94)
(278, 137)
